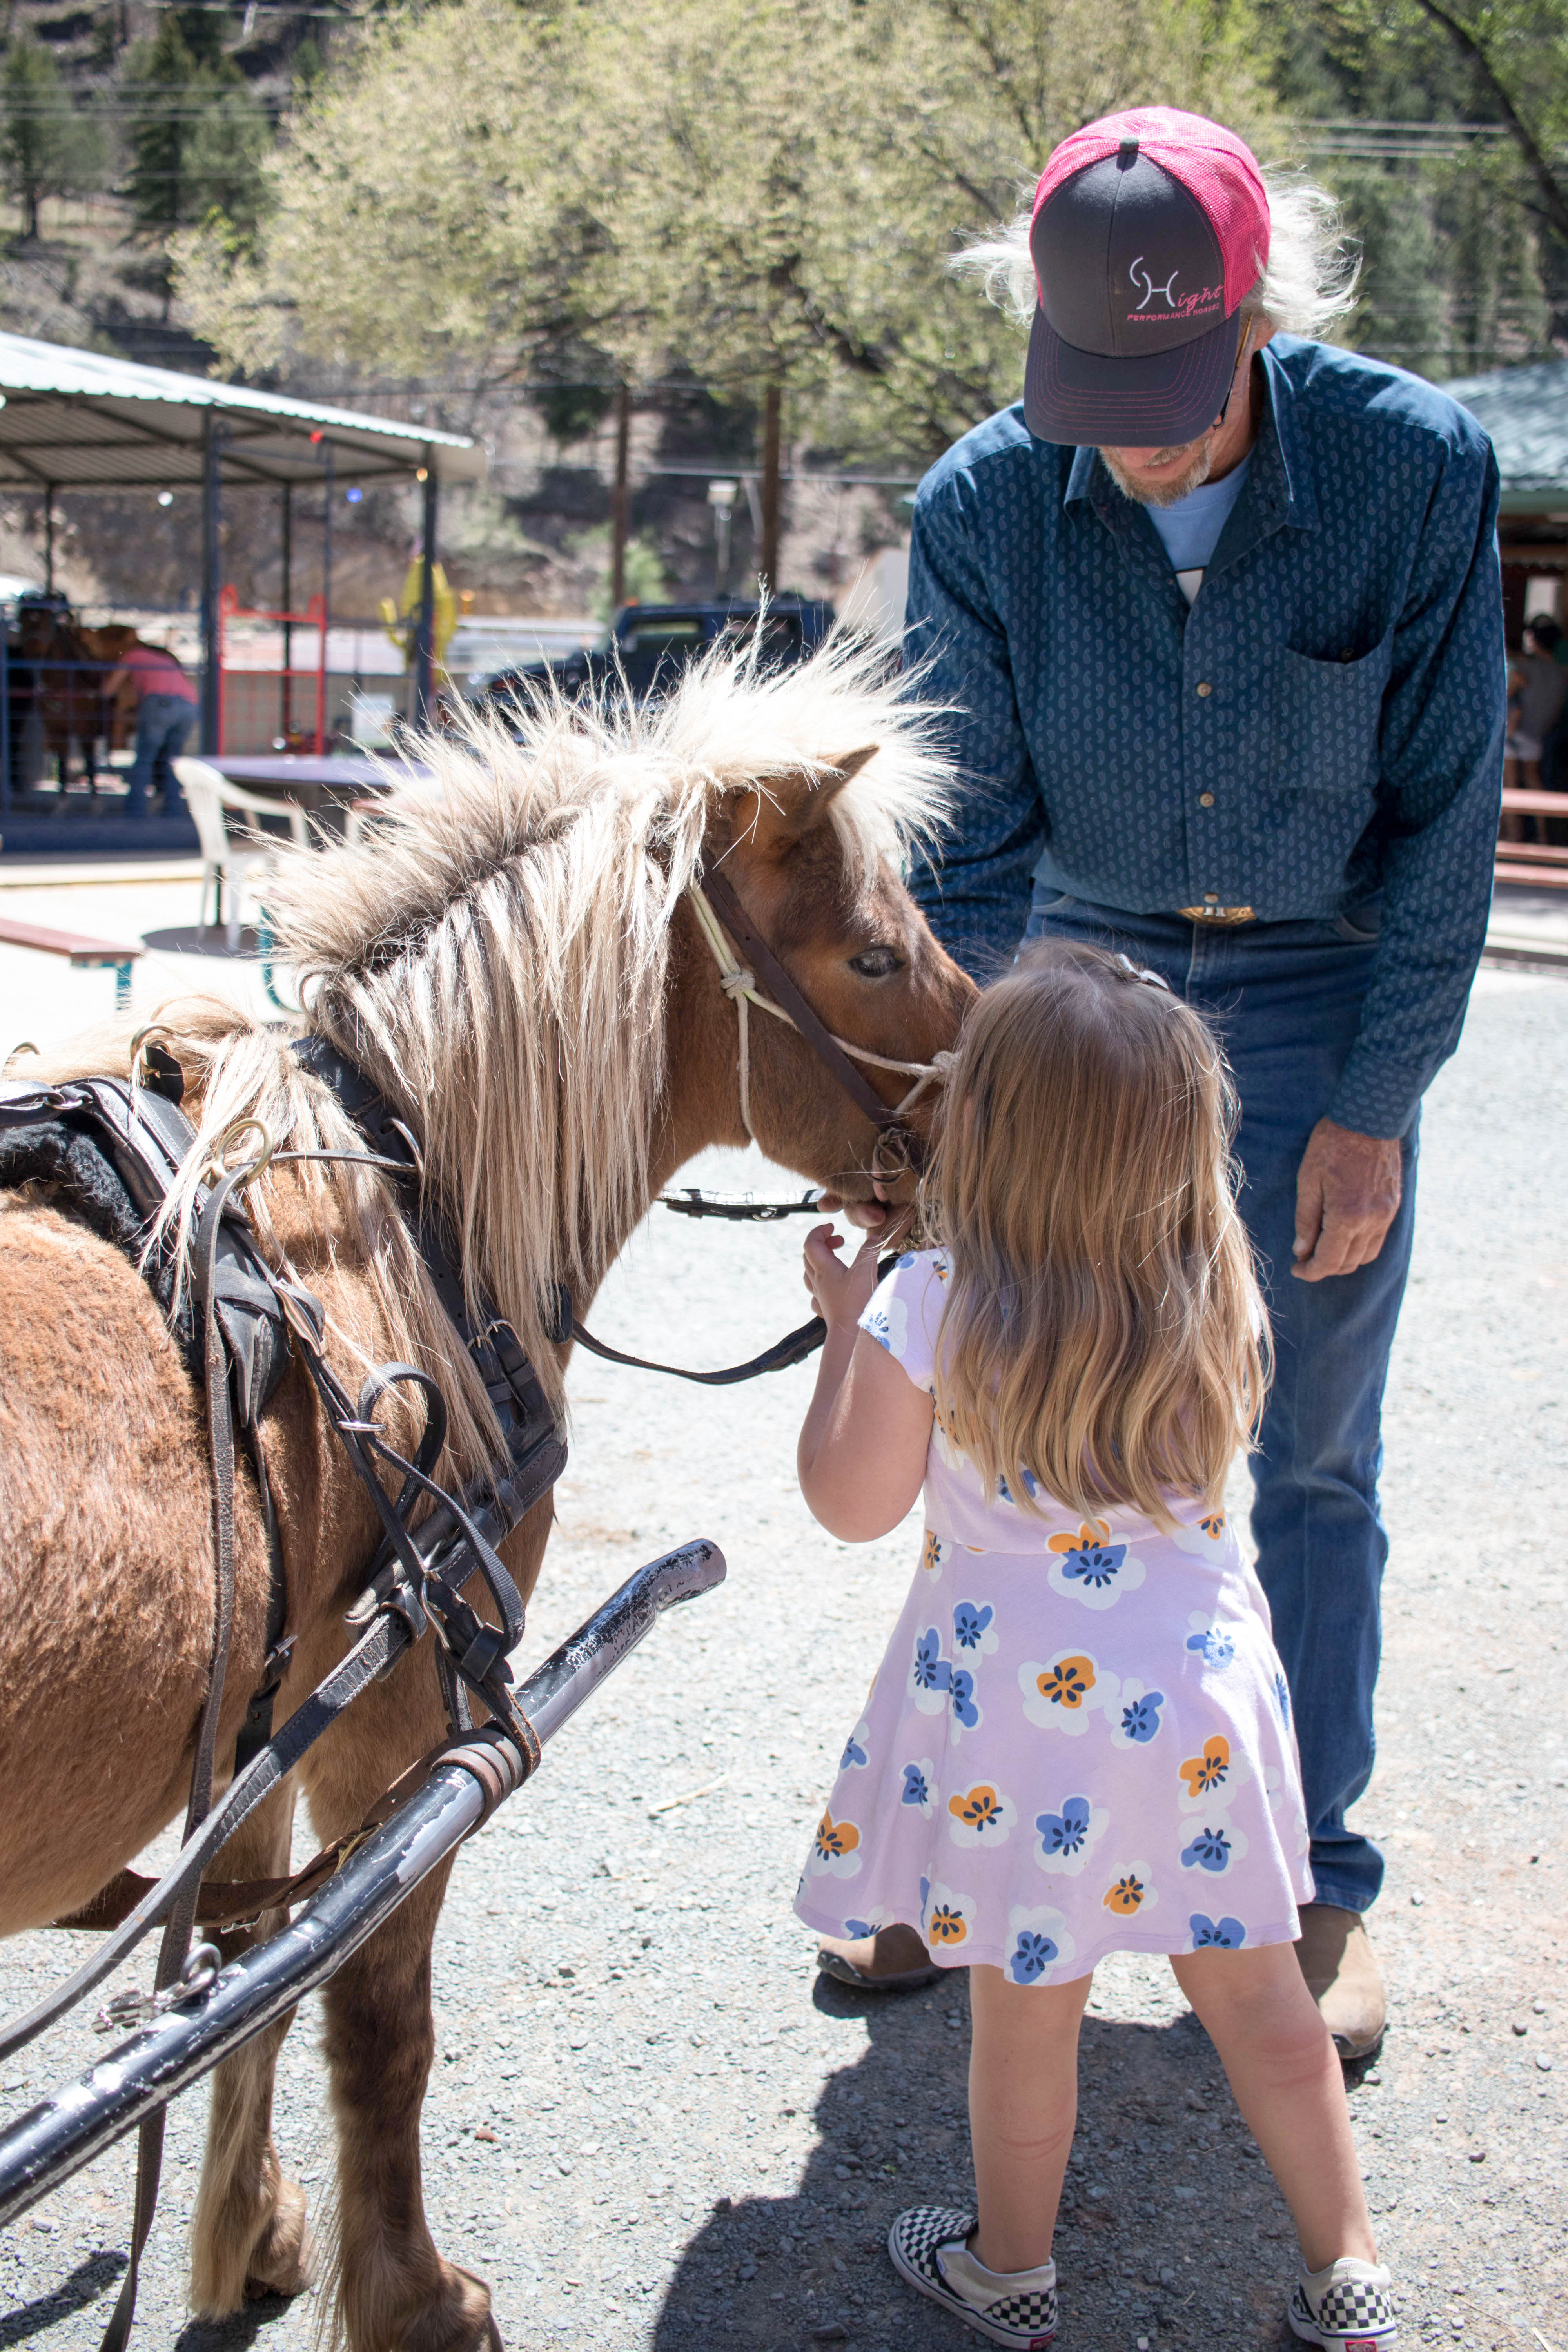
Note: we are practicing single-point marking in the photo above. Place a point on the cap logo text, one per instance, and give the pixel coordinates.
(1151, 287)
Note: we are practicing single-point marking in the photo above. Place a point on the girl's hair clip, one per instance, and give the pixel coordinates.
(1142, 972)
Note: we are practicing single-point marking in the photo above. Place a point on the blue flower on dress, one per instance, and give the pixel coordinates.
(1032, 1955)
(917, 1788)
(969, 1624)
(931, 1670)
(1065, 1833)
(906, 1257)
(874, 1323)
(1226, 1933)
(1282, 1696)
(960, 1683)
(1088, 1556)
(1210, 1850)
(1140, 1720)
(1217, 1645)
(854, 1753)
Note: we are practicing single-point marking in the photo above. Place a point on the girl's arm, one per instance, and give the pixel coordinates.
(862, 1452)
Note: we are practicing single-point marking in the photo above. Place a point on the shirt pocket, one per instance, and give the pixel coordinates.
(1327, 716)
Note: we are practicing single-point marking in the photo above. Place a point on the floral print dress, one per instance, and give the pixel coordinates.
(1079, 1741)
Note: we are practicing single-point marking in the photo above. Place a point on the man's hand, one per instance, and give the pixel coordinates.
(1346, 1196)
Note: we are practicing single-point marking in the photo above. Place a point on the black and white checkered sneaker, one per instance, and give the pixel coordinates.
(1350, 2305)
(929, 2245)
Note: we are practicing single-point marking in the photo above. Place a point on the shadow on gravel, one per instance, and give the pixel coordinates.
(85, 2283)
(1172, 2229)
(233, 2333)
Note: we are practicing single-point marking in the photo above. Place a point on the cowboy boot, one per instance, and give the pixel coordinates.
(1344, 1978)
(892, 1961)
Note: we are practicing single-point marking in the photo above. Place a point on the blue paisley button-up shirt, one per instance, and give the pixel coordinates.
(1338, 689)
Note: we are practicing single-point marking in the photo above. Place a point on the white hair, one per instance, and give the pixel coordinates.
(1306, 287)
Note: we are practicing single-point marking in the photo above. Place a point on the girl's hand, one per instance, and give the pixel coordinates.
(840, 1292)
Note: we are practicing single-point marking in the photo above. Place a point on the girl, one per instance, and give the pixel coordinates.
(1079, 1739)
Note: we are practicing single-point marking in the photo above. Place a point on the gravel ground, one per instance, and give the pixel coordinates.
(651, 2124)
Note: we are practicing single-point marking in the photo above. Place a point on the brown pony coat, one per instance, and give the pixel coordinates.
(104, 1541)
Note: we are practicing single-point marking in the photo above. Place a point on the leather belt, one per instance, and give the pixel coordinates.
(1217, 914)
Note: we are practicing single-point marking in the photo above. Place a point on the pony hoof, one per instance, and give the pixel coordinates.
(283, 2259)
(489, 2341)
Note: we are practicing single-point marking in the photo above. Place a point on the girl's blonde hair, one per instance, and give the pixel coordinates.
(1102, 1335)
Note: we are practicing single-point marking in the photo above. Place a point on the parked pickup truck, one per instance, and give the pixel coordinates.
(651, 645)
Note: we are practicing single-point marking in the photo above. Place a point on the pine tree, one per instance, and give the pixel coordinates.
(36, 126)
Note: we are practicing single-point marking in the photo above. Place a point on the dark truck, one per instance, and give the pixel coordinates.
(651, 645)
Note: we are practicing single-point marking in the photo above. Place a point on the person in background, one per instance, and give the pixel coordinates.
(166, 712)
(1214, 621)
(1539, 683)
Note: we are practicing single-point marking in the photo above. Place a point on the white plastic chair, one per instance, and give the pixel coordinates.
(208, 793)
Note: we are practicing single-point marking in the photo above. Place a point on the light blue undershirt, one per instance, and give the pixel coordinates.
(1190, 529)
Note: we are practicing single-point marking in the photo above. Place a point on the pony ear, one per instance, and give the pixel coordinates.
(776, 815)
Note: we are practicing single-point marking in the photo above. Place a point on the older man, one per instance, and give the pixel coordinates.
(1218, 609)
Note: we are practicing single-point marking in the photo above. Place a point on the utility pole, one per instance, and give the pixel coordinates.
(768, 554)
(620, 502)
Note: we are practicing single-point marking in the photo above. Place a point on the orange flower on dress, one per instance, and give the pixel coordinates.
(982, 1809)
(1208, 1771)
(946, 1925)
(1069, 1682)
(1213, 1525)
(1091, 1532)
(836, 1837)
(1126, 1895)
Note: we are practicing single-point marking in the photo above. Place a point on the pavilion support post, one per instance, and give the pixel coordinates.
(620, 500)
(212, 512)
(323, 729)
(424, 632)
(49, 539)
(286, 599)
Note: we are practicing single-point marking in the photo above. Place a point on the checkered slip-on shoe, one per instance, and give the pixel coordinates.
(1350, 2305)
(928, 2247)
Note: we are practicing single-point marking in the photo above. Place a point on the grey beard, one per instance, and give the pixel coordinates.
(1162, 494)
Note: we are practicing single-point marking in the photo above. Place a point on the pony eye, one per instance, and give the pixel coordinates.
(877, 963)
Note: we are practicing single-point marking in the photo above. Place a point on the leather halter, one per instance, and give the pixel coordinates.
(717, 905)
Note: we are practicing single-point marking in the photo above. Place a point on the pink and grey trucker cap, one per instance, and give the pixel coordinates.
(1149, 229)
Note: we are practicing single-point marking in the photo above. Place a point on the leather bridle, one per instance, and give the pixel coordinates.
(898, 1148)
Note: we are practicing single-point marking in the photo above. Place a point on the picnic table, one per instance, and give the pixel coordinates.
(308, 781)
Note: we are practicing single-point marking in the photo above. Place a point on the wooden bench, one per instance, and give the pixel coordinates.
(84, 954)
(1536, 864)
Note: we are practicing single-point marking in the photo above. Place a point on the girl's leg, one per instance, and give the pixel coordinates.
(1286, 2075)
(1022, 2105)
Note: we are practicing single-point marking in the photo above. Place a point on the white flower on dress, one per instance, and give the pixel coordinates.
(1065, 1840)
(1040, 1944)
(1283, 1792)
(1061, 1694)
(981, 1816)
(1092, 1566)
(947, 1917)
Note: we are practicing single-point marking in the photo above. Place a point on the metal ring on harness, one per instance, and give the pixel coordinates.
(138, 1045)
(218, 1166)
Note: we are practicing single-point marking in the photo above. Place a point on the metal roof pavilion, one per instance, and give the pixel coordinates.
(79, 420)
(1525, 411)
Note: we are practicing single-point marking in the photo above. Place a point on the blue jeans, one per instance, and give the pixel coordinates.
(163, 723)
(1286, 1000)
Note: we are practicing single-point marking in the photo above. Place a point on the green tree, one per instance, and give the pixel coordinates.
(40, 146)
(162, 87)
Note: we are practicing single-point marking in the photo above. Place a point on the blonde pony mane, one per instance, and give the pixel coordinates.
(495, 957)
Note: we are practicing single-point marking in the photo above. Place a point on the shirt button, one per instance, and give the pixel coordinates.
(1211, 897)
(1205, 688)
(1206, 800)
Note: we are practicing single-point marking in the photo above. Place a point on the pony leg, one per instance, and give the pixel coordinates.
(248, 2235)
(396, 2292)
